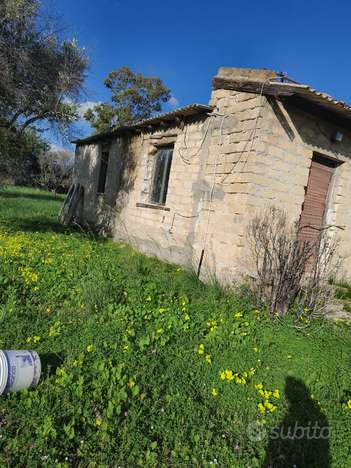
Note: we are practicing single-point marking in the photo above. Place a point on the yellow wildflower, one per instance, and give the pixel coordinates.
(75, 363)
(28, 339)
(200, 351)
(187, 317)
(214, 392)
(223, 376)
(201, 346)
(148, 299)
(132, 384)
(89, 348)
(239, 314)
(98, 422)
(160, 330)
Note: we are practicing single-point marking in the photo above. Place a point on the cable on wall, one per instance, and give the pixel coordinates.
(252, 139)
(215, 171)
(170, 230)
(211, 194)
(186, 160)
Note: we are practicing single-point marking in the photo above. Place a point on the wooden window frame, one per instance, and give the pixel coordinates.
(101, 189)
(164, 184)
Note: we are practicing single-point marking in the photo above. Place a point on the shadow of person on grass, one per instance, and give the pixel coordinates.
(302, 438)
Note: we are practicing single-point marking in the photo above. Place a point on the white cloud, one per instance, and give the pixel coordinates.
(83, 108)
(54, 148)
(57, 149)
(173, 102)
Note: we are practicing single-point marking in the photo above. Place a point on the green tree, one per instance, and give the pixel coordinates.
(134, 98)
(55, 170)
(19, 157)
(42, 73)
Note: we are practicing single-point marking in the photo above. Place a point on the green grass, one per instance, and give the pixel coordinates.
(144, 365)
(343, 293)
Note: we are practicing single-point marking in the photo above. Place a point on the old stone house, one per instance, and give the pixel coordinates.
(190, 180)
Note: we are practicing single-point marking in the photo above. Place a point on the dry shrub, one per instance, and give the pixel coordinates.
(291, 273)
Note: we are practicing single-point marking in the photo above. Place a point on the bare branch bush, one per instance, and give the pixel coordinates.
(291, 274)
(55, 171)
(317, 296)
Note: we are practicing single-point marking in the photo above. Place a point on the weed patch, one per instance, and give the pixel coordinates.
(144, 365)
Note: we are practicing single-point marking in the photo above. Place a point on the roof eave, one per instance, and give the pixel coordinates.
(192, 109)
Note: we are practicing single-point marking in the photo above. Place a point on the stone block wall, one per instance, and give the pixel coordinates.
(252, 152)
(263, 158)
(117, 212)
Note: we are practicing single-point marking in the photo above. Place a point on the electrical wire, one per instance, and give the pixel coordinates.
(182, 216)
(213, 184)
(252, 139)
(186, 160)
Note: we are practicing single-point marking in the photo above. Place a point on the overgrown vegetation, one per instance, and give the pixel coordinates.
(144, 365)
(55, 171)
(292, 274)
(49, 170)
(42, 71)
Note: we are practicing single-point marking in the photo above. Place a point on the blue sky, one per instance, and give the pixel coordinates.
(186, 42)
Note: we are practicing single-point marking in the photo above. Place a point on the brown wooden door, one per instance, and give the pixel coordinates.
(315, 198)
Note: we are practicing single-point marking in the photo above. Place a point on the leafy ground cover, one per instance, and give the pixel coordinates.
(144, 365)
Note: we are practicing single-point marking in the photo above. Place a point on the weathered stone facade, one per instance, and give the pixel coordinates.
(250, 151)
